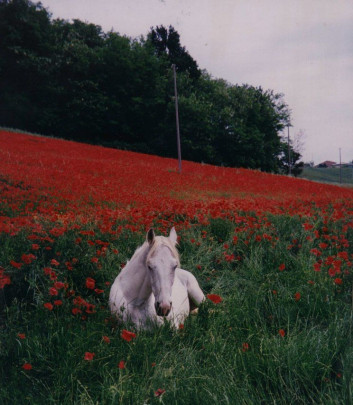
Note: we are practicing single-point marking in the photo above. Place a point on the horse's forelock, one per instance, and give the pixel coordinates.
(163, 241)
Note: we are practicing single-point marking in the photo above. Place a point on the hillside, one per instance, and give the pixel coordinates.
(272, 254)
(109, 185)
(328, 175)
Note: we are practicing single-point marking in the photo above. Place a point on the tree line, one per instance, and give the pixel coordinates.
(75, 81)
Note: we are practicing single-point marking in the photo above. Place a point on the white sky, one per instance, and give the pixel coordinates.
(302, 48)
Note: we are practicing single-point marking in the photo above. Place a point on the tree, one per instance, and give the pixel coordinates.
(73, 80)
(296, 166)
(166, 43)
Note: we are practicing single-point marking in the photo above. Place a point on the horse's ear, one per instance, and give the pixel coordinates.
(173, 236)
(150, 236)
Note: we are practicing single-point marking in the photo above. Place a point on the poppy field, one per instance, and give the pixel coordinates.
(273, 255)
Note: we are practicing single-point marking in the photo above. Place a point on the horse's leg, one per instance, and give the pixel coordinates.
(195, 294)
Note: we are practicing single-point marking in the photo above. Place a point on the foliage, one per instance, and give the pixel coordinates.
(290, 164)
(72, 80)
(277, 250)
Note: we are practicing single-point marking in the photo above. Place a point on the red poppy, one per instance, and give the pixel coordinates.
(245, 347)
(58, 303)
(27, 366)
(89, 356)
(159, 392)
(281, 267)
(297, 296)
(128, 336)
(54, 262)
(48, 305)
(106, 339)
(76, 311)
(90, 308)
(90, 283)
(53, 291)
(21, 335)
(15, 264)
(338, 281)
(181, 326)
(28, 259)
(216, 299)
(121, 364)
(59, 285)
(282, 332)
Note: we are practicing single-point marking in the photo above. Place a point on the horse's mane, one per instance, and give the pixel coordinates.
(163, 241)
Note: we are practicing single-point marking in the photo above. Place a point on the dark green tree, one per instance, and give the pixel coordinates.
(166, 42)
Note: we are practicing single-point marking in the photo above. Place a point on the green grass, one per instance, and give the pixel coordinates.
(328, 175)
(204, 363)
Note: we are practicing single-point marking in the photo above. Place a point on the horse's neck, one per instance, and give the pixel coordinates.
(135, 281)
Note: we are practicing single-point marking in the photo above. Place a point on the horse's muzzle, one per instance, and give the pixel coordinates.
(162, 310)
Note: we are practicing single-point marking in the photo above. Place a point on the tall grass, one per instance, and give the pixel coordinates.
(262, 344)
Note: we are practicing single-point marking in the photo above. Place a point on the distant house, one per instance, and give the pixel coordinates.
(327, 163)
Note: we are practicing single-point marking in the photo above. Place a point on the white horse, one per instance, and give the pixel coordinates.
(152, 287)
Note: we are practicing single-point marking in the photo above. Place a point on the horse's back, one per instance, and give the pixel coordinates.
(194, 292)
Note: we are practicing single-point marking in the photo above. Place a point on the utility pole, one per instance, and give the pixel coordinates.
(177, 117)
(289, 164)
(340, 168)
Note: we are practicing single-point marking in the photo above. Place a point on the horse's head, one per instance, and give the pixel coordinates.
(162, 261)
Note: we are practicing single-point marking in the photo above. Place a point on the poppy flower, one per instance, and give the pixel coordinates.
(49, 306)
(15, 264)
(76, 311)
(282, 332)
(28, 259)
(106, 339)
(58, 303)
(159, 392)
(90, 283)
(297, 296)
(89, 356)
(54, 262)
(53, 291)
(245, 347)
(27, 366)
(121, 364)
(281, 267)
(338, 281)
(128, 336)
(181, 326)
(21, 335)
(90, 308)
(59, 285)
(216, 299)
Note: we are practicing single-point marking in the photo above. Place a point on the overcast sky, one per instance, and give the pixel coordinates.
(301, 48)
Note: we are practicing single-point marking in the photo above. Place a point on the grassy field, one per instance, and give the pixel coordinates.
(277, 250)
(329, 175)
